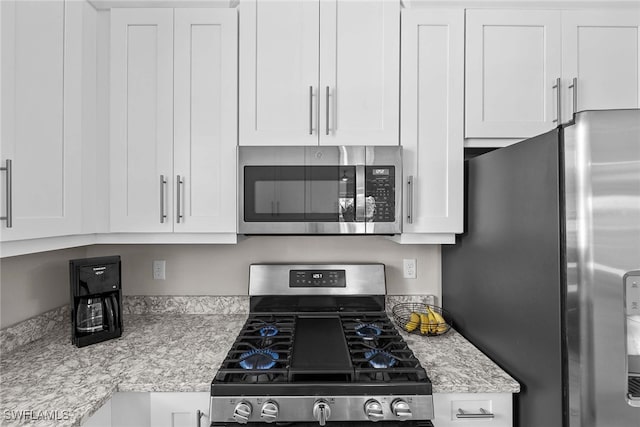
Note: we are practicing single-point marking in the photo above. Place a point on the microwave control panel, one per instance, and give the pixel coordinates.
(380, 193)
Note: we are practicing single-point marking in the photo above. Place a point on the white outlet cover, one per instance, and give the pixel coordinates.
(159, 267)
(409, 268)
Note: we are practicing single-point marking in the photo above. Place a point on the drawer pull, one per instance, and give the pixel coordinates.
(482, 414)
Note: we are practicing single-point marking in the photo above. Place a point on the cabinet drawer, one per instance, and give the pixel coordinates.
(473, 409)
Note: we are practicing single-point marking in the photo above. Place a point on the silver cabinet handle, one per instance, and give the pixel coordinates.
(574, 90)
(327, 92)
(310, 110)
(163, 185)
(482, 414)
(558, 103)
(410, 199)
(8, 194)
(199, 415)
(179, 183)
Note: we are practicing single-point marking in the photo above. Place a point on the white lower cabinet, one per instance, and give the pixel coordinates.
(179, 409)
(473, 409)
(102, 417)
(129, 409)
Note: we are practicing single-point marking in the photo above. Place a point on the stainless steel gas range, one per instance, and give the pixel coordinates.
(318, 348)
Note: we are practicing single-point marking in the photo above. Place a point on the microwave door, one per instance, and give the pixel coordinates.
(330, 197)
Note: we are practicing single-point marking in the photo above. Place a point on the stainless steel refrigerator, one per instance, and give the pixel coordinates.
(545, 279)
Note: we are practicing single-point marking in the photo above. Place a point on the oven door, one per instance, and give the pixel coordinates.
(318, 190)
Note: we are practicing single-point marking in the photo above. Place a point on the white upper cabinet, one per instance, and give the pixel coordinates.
(513, 58)
(359, 72)
(600, 50)
(141, 120)
(279, 72)
(205, 120)
(319, 72)
(432, 123)
(528, 70)
(41, 118)
(173, 120)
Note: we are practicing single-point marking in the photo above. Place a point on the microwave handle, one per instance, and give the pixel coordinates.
(360, 193)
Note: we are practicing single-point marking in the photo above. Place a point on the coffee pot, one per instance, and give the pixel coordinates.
(89, 315)
(95, 300)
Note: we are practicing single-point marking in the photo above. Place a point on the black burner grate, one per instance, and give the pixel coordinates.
(373, 351)
(261, 352)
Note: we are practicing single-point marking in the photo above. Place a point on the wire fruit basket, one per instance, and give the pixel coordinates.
(421, 319)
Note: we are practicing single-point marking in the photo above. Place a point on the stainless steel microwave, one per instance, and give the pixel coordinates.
(320, 189)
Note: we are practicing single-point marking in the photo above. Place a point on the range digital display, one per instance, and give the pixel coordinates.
(317, 279)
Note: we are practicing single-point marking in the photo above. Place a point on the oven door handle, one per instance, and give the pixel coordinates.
(360, 193)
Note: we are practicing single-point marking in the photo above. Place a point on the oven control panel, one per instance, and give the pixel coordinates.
(321, 409)
(317, 279)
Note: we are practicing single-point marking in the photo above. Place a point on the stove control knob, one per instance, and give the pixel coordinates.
(242, 412)
(373, 410)
(321, 411)
(401, 409)
(269, 411)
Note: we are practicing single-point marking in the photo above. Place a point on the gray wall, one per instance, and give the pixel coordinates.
(33, 284)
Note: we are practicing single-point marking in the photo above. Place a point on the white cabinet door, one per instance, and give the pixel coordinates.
(600, 50)
(513, 58)
(466, 409)
(101, 418)
(141, 120)
(179, 409)
(205, 126)
(278, 94)
(432, 120)
(359, 72)
(41, 120)
(319, 72)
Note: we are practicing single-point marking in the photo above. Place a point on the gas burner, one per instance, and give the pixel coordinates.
(259, 358)
(268, 331)
(380, 359)
(368, 331)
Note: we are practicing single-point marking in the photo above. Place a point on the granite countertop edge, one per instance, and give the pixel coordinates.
(187, 351)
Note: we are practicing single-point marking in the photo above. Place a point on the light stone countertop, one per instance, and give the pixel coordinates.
(175, 352)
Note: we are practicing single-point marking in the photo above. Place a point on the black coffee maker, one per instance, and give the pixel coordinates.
(96, 296)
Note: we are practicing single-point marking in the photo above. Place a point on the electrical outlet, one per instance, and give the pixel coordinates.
(159, 269)
(409, 268)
